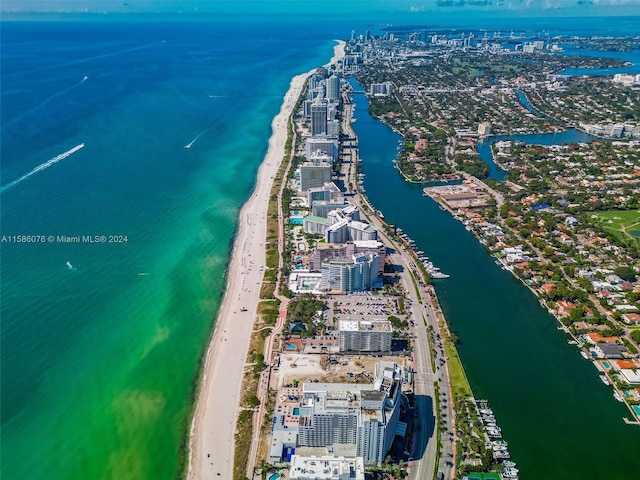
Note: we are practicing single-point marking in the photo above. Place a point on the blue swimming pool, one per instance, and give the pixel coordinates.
(290, 346)
(296, 411)
(275, 476)
(606, 365)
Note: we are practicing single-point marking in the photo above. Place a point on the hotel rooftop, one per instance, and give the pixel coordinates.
(326, 468)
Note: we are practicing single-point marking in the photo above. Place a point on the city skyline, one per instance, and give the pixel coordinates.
(437, 7)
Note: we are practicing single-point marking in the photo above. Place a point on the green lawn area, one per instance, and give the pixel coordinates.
(624, 224)
(457, 377)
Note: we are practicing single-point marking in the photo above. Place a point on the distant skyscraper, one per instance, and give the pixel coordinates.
(333, 88)
(319, 119)
(385, 88)
(316, 80)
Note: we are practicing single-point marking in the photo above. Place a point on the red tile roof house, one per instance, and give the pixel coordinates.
(631, 318)
(595, 338)
(564, 308)
(624, 364)
(547, 287)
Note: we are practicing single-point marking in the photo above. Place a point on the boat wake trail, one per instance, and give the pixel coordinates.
(188, 145)
(43, 103)
(42, 166)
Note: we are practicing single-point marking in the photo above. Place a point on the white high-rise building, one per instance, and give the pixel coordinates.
(345, 413)
(357, 274)
(385, 88)
(365, 335)
(484, 129)
(333, 88)
(314, 175)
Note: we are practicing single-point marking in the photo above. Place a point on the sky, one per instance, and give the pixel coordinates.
(516, 7)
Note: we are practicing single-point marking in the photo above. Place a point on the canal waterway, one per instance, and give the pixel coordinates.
(571, 135)
(560, 420)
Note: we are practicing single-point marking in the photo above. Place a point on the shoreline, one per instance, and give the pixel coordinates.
(213, 426)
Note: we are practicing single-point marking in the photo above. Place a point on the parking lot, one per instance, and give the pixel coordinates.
(360, 307)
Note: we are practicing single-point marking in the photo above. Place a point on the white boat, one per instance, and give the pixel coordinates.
(584, 354)
(617, 396)
(510, 473)
(604, 379)
(500, 442)
(439, 275)
(69, 266)
(508, 464)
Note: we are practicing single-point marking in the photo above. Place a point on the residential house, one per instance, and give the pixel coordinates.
(610, 350)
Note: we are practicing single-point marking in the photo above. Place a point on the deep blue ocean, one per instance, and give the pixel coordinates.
(101, 341)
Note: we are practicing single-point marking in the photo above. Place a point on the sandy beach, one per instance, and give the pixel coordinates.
(212, 433)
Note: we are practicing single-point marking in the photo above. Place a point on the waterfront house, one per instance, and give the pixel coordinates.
(610, 350)
(632, 377)
(625, 364)
(589, 326)
(595, 338)
(564, 308)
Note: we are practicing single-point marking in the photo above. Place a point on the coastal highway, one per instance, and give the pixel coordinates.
(424, 448)
(422, 312)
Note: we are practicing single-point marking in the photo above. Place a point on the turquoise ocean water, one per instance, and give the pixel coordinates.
(100, 342)
(98, 359)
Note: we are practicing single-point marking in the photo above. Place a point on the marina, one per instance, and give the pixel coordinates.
(498, 446)
(433, 271)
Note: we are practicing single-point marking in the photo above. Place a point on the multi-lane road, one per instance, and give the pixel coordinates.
(424, 454)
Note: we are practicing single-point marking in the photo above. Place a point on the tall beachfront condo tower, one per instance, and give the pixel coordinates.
(314, 175)
(333, 88)
(319, 119)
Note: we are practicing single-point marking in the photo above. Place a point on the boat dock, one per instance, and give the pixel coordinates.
(499, 447)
